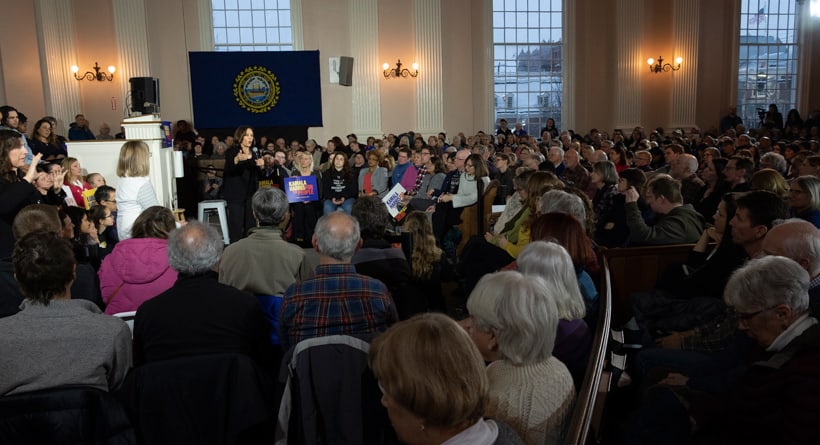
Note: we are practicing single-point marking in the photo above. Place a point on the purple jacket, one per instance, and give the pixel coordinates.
(137, 270)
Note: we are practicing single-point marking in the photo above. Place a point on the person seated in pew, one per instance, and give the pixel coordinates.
(756, 214)
(56, 340)
(677, 223)
(378, 259)
(514, 324)
(553, 263)
(447, 211)
(493, 252)
(337, 300)
(198, 315)
(36, 218)
(264, 263)
(773, 400)
(435, 387)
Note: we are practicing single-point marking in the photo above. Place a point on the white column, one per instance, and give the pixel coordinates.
(296, 25)
(206, 25)
(685, 86)
(629, 64)
(483, 63)
(132, 38)
(56, 42)
(568, 31)
(364, 42)
(429, 86)
(132, 41)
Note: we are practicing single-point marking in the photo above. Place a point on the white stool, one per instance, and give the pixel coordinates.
(220, 206)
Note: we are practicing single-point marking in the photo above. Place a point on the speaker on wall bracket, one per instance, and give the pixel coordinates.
(346, 71)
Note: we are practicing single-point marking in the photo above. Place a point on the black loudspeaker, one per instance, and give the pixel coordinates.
(144, 94)
(346, 71)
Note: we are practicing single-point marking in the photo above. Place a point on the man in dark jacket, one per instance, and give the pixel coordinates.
(198, 315)
(677, 223)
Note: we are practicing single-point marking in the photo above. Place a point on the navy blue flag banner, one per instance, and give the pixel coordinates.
(265, 89)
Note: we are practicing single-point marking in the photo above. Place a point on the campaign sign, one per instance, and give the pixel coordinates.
(301, 189)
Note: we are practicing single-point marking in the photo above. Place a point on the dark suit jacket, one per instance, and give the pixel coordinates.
(198, 315)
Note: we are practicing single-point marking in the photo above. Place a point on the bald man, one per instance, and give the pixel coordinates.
(799, 240)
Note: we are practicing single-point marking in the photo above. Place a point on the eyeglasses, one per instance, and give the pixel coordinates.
(748, 316)
(109, 216)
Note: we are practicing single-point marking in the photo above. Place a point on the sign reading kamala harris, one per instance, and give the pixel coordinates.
(280, 88)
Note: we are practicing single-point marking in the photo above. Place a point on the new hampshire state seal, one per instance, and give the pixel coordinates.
(256, 89)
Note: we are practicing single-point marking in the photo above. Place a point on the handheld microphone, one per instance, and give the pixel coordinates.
(255, 153)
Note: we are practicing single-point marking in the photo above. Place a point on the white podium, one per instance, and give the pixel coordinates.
(101, 156)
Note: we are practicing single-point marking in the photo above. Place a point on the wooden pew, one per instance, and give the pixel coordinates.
(474, 217)
(636, 269)
(585, 421)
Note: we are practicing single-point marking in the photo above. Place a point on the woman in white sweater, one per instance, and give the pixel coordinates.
(134, 190)
(514, 323)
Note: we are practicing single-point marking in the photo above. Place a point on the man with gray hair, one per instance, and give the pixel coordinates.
(683, 168)
(774, 161)
(264, 263)
(337, 300)
(198, 315)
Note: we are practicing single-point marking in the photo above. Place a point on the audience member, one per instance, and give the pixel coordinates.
(264, 263)
(435, 387)
(683, 168)
(799, 240)
(35, 218)
(138, 269)
(339, 185)
(337, 300)
(677, 222)
(78, 130)
(378, 259)
(56, 340)
(804, 199)
(134, 190)
(514, 324)
(553, 263)
(198, 315)
(15, 188)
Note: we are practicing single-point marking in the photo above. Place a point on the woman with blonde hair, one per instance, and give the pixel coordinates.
(305, 214)
(134, 190)
(434, 384)
(74, 184)
(425, 257)
(769, 179)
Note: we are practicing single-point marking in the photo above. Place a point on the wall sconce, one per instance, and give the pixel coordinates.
(398, 71)
(96, 75)
(660, 66)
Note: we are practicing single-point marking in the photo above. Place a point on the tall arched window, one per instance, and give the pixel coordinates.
(252, 25)
(768, 52)
(527, 54)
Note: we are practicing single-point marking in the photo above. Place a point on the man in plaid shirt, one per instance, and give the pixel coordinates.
(337, 300)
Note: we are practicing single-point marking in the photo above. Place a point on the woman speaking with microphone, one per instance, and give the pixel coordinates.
(242, 164)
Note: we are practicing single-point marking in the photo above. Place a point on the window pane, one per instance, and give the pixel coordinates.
(251, 25)
(527, 73)
(767, 65)
(219, 19)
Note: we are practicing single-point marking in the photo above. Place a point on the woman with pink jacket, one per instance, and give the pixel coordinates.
(137, 269)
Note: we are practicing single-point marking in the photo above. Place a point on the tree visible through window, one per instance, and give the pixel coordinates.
(768, 59)
(252, 25)
(527, 48)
